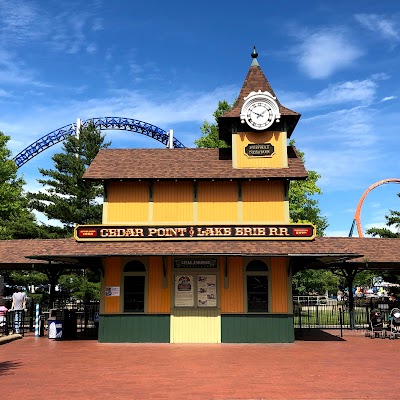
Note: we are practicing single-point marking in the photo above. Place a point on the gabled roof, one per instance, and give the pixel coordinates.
(255, 81)
(114, 164)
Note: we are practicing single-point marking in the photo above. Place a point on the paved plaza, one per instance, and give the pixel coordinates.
(322, 366)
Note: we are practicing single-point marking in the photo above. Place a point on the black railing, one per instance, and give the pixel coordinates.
(336, 316)
(79, 320)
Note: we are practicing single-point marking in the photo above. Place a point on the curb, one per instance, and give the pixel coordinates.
(9, 338)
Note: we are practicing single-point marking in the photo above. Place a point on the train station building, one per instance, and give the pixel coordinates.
(196, 245)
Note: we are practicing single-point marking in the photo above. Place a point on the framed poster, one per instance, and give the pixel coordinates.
(207, 290)
(112, 291)
(184, 291)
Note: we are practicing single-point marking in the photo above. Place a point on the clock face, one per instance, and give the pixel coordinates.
(259, 115)
(260, 110)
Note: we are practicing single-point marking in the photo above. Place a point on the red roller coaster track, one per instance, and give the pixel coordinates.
(357, 214)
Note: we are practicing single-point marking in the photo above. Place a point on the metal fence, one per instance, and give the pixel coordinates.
(80, 320)
(336, 316)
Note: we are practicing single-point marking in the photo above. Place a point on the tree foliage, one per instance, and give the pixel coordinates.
(67, 198)
(392, 221)
(312, 281)
(303, 205)
(209, 132)
(16, 220)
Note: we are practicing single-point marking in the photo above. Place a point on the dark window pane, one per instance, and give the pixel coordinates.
(134, 266)
(134, 294)
(257, 265)
(257, 293)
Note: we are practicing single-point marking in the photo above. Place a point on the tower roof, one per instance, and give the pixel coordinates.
(255, 81)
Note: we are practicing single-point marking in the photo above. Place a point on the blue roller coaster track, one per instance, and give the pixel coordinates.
(104, 123)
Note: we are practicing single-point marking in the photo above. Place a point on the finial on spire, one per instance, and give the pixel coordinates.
(254, 56)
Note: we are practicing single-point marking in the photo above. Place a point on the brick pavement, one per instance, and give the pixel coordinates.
(318, 367)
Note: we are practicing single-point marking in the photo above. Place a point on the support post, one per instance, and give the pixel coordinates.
(37, 321)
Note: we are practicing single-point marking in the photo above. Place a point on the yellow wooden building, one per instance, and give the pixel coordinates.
(218, 197)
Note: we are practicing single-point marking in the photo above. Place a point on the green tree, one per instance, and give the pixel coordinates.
(393, 221)
(67, 198)
(316, 281)
(16, 220)
(303, 205)
(210, 135)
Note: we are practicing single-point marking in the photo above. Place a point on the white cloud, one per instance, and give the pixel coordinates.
(14, 71)
(4, 93)
(380, 24)
(388, 98)
(19, 21)
(91, 48)
(340, 93)
(323, 53)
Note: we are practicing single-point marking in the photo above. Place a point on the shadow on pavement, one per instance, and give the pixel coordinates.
(6, 367)
(316, 335)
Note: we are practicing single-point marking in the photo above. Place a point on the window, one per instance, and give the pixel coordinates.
(134, 286)
(257, 286)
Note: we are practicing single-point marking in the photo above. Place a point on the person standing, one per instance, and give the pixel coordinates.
(3, 317)
(18, 306)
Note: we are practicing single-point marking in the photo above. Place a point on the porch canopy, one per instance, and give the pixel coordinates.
(322, 252)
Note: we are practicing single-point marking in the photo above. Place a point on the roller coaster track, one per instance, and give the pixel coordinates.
(103, 123)
(357, 214)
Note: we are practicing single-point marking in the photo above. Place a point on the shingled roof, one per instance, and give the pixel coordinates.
(182, 164)
(374, 251)
(255, 81)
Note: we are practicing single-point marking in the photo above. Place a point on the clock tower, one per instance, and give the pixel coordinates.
(258, 125)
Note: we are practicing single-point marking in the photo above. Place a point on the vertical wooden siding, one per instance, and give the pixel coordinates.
(196, 326)
(263, 201)
(232, 298)
(217, 202)
(158, 298)
(172, 201)
(275, 138)
(112, 278)
(279, 285)
(128, 202)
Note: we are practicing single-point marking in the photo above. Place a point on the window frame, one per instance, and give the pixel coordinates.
(257, 273)
(138, 273)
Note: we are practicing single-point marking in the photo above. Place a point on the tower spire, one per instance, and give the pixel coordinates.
(254, 56)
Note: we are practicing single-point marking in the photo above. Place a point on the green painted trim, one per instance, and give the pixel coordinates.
(134, 328)
(257, 328)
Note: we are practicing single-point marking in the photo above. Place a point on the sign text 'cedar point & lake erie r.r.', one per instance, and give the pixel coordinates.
(197, 232)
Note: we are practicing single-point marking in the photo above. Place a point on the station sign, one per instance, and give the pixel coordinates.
(86, 233)
(259, 150)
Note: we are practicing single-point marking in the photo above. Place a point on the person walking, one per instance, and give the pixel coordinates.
(18, 306)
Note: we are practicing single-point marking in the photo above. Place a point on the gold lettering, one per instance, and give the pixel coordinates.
(227, 231)
(181, 231)
(152, 231)
(260, 231)
(103, 232)
(273, 232)
(139, 232)
(238, 231)
(284, 232)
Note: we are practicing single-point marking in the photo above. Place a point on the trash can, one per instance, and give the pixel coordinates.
(55, 328)
(69, 324)
(55, 324)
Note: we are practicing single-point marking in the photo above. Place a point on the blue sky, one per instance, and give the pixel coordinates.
(169, 63)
